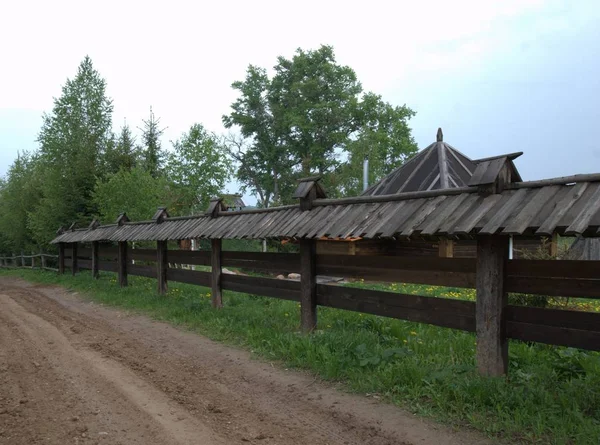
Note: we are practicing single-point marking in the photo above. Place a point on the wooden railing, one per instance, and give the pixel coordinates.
(490, 316)
(20, 261)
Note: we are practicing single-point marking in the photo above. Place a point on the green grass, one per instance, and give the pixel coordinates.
(552, 394)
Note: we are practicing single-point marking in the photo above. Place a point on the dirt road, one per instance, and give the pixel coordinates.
(74, 372)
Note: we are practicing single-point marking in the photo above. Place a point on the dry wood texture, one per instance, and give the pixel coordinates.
(492, 299)
(216, 273)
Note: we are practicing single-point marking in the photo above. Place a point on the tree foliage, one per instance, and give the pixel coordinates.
(198, 168)
(312, 117)
(122, 152)
(133, 191)
(73, 140)
(152, 153)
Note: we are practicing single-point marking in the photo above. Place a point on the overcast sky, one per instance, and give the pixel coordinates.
(496, 76)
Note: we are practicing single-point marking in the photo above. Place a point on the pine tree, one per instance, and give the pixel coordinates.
(152, 154)
(73, 139)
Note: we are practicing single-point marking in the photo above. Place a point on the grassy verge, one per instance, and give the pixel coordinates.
(551, 396)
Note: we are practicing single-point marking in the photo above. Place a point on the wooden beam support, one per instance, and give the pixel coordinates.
(446, 248)
(95, 259)
(215, 262)
(74, 265)
(491, 303)
(61, 258)
(122, 263)
(308, 285)
(162, 264)
(554, 245)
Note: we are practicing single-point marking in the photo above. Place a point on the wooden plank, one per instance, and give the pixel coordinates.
(592, 177)
(61, 258)
(95, 259)
(581, 221)
(143, 254)
(454, 272)
(432, 264)
(84, 264)
(466, 224)
(455, 216)
(267, 287)
(521, 221)
(549, 225)
(142, 271)
(122, 263)
(418, 217)
(197, 257)
(500, 217)
(162, 264)
(450, 205)
(587, 321)
(189, 276)
(554, 268)
(109, 266)
(444, 312)
(553, 335)
(446, 248)
(74, 265)
(554, 287)
(492, 299)
(386, 212)
(278, 262)
(308, 285)
(395, 224)
(216, 273)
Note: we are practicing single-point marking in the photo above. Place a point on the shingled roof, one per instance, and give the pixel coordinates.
(436, 167)
(569, 205)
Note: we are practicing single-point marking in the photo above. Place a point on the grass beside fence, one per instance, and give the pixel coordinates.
(552, 394)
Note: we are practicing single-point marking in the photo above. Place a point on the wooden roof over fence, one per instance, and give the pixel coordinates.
(567, 206)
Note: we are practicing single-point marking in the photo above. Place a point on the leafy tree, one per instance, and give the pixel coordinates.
(315, 101)
(122, 152)
(384, 138)
(311, 117)
(20, 190)
(133, 191)
(73, 139)
(152, 152)
(198, 169)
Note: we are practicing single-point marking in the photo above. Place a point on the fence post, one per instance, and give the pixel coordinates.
(307, 191)
(308, 285)
(122, 256)
(74, 264)
(42, 260)
(95, 256)
(217, 273)
(32, 259)
(61, 258)
(162, 263)
(22, 259)
(492, 299)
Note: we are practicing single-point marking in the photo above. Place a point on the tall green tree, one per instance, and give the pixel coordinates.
(311, 117)
(19, 192)
(122, 152)
(152, 153)
(73, 139)
(198, 169)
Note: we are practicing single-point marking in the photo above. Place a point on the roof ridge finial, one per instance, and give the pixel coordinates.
(440, 135)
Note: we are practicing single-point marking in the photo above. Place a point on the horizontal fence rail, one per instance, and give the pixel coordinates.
(556, 278)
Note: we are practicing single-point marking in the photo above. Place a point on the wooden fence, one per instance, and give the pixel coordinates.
(492, 274)
(23, 260)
